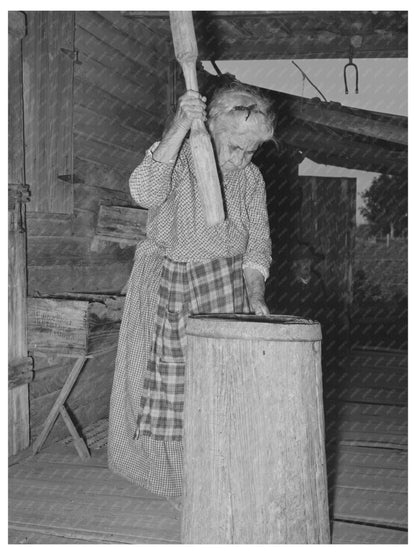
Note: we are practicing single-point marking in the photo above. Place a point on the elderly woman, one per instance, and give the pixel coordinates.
(186, 267)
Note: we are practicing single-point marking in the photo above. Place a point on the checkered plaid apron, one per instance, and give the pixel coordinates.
(185, 288)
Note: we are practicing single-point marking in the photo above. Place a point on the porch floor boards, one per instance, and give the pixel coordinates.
(56, 498)
(57, 494)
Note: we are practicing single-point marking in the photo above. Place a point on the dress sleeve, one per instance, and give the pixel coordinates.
(151, 182)
(259, 246)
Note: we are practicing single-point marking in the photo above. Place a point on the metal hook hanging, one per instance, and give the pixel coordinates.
(356, 72)
(214, 65)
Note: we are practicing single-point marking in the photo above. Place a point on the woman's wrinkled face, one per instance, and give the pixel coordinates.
(234, 151)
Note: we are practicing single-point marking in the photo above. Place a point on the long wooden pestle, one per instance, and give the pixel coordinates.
(186, 53)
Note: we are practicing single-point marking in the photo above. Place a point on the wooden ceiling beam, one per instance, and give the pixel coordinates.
(256, 14)
(274, 35)
(233, 14)
(344, 149)
(379, 164)
(305, 46)
(334, 116)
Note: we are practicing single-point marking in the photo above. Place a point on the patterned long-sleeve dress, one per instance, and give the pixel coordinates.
(183, 266)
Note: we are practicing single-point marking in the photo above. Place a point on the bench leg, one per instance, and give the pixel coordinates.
(79, 443)
(56, 409)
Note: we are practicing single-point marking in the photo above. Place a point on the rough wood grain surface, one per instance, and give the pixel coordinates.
(101, 277)
(93, 149)
(96, 175)
(101, 125)
(132, 44)
(72, 250)
(52, 224)
(79, 499)
(146, 33)
(72, 327)
(18, 400)
(48, 100)
(386, 130)
(254, 454)
(20, 371)
(60, 327)
(119, 86)
(107, 55)
(121, 224)
(127, 113)
(186, 52)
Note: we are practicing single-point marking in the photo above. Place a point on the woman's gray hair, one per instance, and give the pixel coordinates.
(237, 102)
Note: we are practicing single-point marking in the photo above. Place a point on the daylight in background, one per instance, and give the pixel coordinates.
(382, 88)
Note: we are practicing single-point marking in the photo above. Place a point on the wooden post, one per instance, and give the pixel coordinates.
(254, 452)
(18, 196)
(186, 52)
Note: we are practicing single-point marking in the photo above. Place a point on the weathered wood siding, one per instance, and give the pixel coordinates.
(105, 105)
(96, 96)
(48, 84)
(18, 399)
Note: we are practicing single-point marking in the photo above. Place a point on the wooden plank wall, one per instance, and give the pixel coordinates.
(118, 106)
(48, 83)
(112, 111)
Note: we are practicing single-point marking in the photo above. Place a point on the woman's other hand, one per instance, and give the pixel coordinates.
(258, 306)
(255, 286)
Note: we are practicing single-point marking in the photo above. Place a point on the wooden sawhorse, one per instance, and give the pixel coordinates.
(59, 408)
(88, 327)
